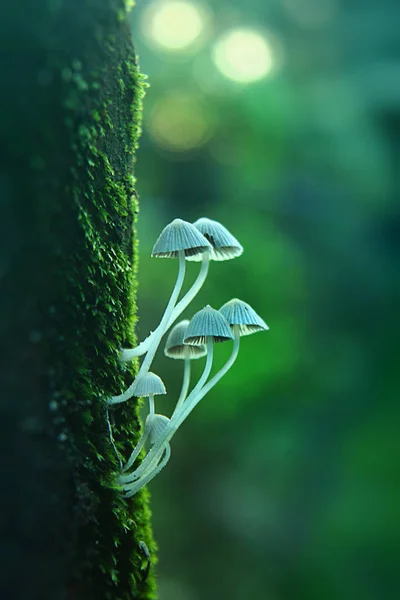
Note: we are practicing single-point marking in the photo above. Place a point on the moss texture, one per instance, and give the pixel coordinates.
(70, 119)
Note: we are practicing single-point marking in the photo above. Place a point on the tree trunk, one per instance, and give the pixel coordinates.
(69, 122)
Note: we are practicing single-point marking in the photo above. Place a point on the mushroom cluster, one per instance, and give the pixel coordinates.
(204, 240)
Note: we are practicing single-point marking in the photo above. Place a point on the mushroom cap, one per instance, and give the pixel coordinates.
(238, 313)
(149, 384)
(175, 348)
(158, 424)
(206, 323)
(180, 235)
(224, 245)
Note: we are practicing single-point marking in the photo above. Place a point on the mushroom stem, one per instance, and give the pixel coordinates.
(185, 383)
(138, 484)
(193, 291)
(158, 333)
(138, 447)
(164, 323)
(151, 405)
(200, 391)
(128, 354)
(203, 378)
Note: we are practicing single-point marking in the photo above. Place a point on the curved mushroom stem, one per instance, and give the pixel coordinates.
(193, 291)
(185, 384)
(194, 397)
(158, 333)
(139, 446)
(133, 488)
(128, 354)
(204, 375)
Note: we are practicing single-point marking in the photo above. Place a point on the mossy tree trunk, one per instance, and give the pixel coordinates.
(70, 119)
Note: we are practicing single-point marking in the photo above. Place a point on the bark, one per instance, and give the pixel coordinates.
(69, 121)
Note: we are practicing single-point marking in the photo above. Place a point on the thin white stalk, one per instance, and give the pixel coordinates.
(138, 447)
(137, 485)
(146, 364)
(193, 291)
(128, 354)
(161, 329)
(151, 405)
(194, 397)
(185, 384)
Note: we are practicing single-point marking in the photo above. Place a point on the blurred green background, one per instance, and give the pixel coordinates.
(281, 119)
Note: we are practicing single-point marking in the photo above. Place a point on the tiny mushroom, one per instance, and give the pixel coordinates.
(149, 385)
(207, 326)
(242, 317)
(224, 245)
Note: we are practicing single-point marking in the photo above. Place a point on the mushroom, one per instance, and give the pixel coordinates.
(224, 245)
(149, 385)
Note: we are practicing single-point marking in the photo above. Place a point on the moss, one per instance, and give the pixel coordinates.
(78, 159)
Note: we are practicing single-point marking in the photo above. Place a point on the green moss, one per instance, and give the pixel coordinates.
(95, 311)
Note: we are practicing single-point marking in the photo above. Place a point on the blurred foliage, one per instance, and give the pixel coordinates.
(283, 484)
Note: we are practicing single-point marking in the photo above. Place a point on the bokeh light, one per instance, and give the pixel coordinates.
(180, 122)
(174, 25)
(243, 55)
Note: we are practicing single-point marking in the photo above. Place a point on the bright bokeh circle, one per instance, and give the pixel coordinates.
(179, 122)
(173, 24)
(243, 55)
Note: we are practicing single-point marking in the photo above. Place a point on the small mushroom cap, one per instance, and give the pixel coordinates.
(158, 424)
(240, 314)
(149, 384)
(224, 245)
(180, 235)
(208, 322)
(175, 348)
